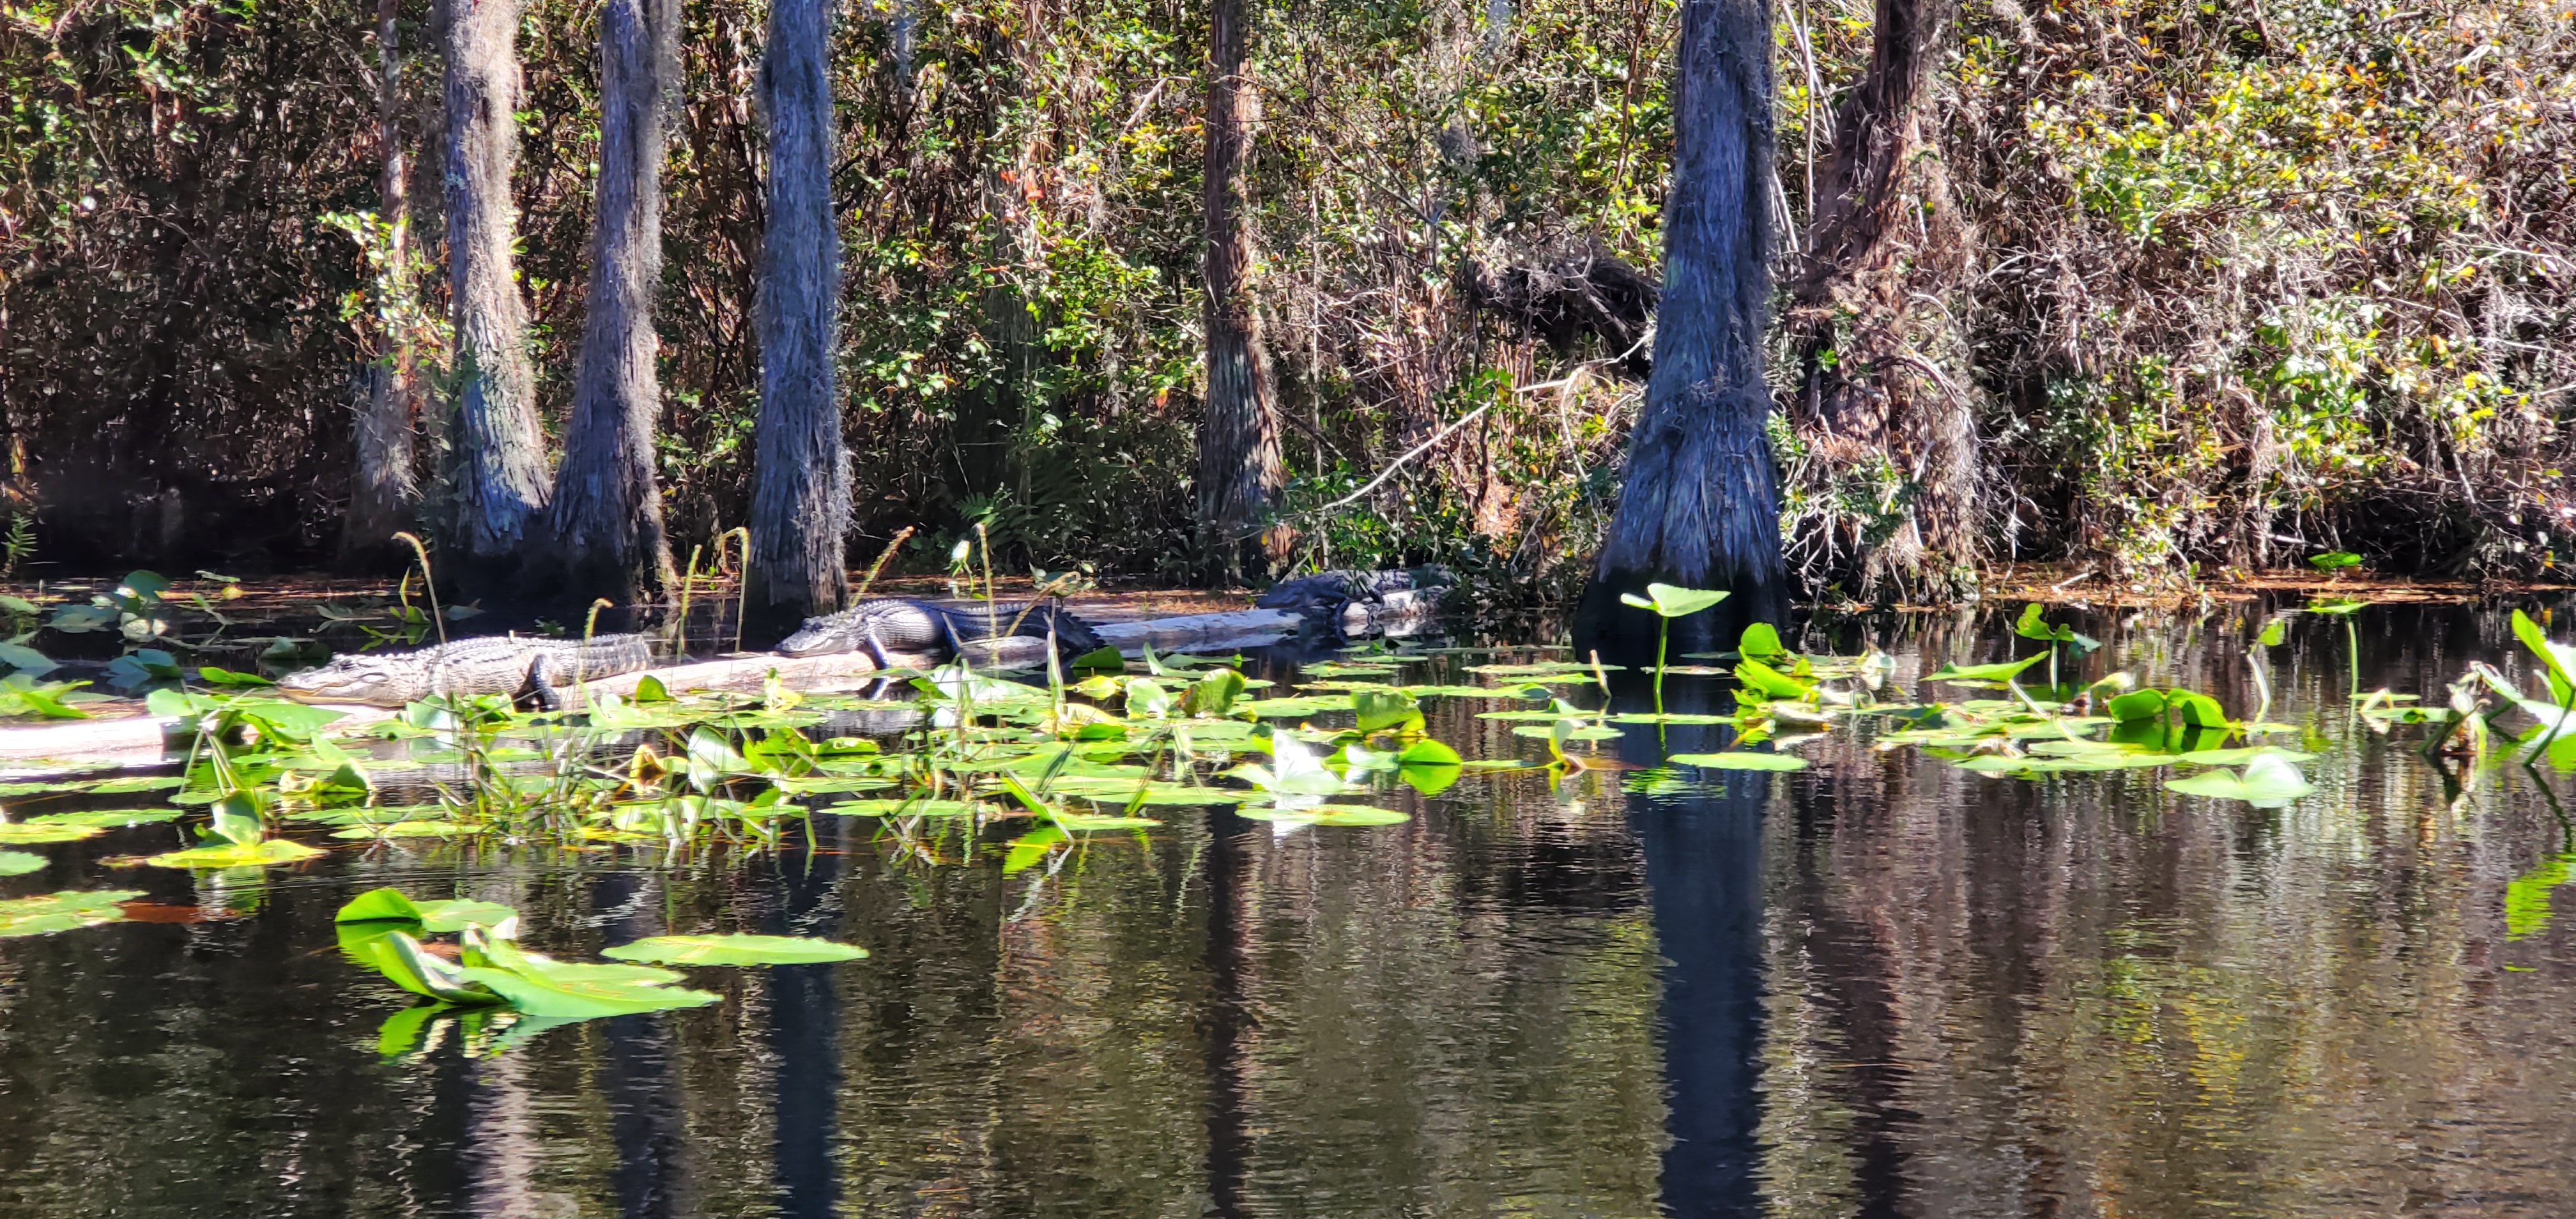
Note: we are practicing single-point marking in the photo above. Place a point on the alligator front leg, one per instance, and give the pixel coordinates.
(541, 684)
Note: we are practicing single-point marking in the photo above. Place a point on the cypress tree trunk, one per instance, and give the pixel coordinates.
(606, 519)
(1700, 504)
(384, 496)
(800, 508)
(1239, 476)
(499, 466)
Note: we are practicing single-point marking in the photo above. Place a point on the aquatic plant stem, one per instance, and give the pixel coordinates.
(437, 617)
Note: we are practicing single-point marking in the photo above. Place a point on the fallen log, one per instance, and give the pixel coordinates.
(148, 740)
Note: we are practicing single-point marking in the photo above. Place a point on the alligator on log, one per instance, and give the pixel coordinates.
(515, 665)
(1362, 602)
(885, 626)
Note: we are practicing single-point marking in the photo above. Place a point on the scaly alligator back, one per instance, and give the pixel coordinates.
(879, 626)
(492, 664)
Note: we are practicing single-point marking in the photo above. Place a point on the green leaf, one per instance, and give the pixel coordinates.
(1386, 710)
(68, 910)
(2273, 632)
(2000, 671)
(235, 855)
(214, 676)
(2334, 560)
(2137, 705)
(19, 863)
(905, 808)
(26, 660)
(433, 916)
(2526, 897)
(734, 950)
(2335, 607)
(1329, 814)
(111, 818)
(401, 959)
(566, 991)
(1427, 752)
(1768, 682)
(2028, 626)
(2268, 781)
(1760, 641)
(2554, 659)
(1674, 601)
(1741, 760)
(12, 832)
(2239, 757)
(1212, 695)
(82, 619)
(1103, 658)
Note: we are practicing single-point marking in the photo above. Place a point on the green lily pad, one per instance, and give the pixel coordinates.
(453, 914)
(68, 910)
(2239, 757)
(19, 863)
(2268, 781)
(905, 808)
(1741, 761)
(2001, 671)
(234, 855)
(1586, 733)
(25, 833)
(1329, 814)
(111, 818)
(408, 829)
(734, 950)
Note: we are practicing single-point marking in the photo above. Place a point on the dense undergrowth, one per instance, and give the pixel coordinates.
(2216, 285)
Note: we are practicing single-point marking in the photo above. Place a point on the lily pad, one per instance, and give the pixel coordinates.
(19, 863)
(905, 808)
(1746, 760)
(234, 855)
(2268, 781)
(24, 833)
(734, 950)
(1329, 814)
(68, 910)
(2239, 757)
(111, 818)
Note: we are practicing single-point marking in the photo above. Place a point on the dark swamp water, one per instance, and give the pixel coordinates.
(1878, 986)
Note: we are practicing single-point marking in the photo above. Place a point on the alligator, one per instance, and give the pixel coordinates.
(884, 627)
(494, 664)
(1329, 592)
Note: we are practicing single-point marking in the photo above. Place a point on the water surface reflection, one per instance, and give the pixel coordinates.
(1879, 986)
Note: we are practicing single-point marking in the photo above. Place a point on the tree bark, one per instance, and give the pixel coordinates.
(1700, 503)
(384, 495)
(606, 518)
(1852, 297)
(499, 466)
(800, 509)
(1239, 474)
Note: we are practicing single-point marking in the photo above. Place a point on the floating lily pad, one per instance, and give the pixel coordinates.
(905, 808)
(1741, 761)
(2239, 757)
(1586, 733)
(111, 818)
(735, 950)
(69, 910)
(19, 863)
(2268, 781)
(1330, 814)
(22, 833)
(409, 829)
(452, 914)
(1096, 821)
(234, 855)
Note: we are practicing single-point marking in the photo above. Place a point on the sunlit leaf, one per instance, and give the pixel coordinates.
(110, 818)
(2268, 781)
(64, 911)
(20, 863)
(1998, 672)
(1741, 760)
(734, 950)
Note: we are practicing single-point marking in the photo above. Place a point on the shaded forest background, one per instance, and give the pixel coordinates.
(2159, 287)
